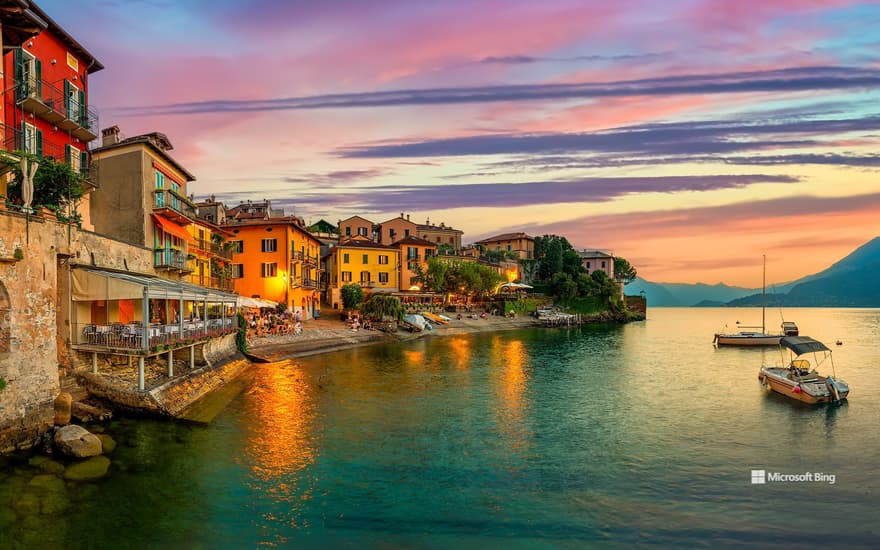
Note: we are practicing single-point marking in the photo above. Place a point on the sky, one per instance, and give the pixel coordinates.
(690, 137)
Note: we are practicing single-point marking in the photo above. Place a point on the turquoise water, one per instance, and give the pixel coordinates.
(566, 438)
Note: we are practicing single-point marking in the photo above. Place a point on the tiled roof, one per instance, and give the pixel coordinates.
(506, 237)
(594, 254)
(414, 241)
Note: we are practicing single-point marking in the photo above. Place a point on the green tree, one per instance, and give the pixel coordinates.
(380, 307)
(352, 294)
(56, 184)
(624, 271)
(563, 287)
(554, 254)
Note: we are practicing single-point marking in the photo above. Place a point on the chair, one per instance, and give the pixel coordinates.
(89, 334)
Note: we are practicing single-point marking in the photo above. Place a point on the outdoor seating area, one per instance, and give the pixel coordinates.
(131, 335)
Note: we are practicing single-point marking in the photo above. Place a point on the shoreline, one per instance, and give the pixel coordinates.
(326, 336)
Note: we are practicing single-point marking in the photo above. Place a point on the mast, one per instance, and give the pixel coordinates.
(764, 297)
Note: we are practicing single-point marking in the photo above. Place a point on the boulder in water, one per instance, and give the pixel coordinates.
(76, 441)
(107, 443)
(62, 409)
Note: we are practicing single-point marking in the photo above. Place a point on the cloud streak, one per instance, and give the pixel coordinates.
(781, 80)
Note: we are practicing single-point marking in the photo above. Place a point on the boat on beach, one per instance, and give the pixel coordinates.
(797, 379)
(752, 336)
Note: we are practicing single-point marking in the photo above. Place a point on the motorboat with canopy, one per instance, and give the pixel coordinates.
(798, 378)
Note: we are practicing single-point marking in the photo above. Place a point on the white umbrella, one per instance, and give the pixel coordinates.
(27, 184)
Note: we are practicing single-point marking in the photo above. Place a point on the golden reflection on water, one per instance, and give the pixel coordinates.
(280, 442)
(510, 380)
(461, 348)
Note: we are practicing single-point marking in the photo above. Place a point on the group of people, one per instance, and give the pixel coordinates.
(267, 323)
(355, 322)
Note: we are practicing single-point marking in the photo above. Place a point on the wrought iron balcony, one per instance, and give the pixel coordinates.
(296, 255)
(79, 161)
(222, 250)
(51, 104)
(310, 283)
(170, 258)
(173, 206)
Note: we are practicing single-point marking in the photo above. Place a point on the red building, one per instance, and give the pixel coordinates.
(46, 107)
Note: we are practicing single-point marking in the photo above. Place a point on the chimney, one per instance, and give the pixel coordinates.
(110, 136)
(407, 217)
(401, 214)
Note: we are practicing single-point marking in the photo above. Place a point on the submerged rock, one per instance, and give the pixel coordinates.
(107, 443)
(77, 441)
(93, 468)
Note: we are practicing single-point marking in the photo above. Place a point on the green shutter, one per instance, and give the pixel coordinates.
(84, 163)
(39, 144)
(20, 89)
(83, 111)
(38, 78)
(67, 101)
(67, 153)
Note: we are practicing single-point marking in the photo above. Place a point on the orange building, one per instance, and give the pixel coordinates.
(395, 229)
(276, 259)
(357, 226)
(414, 253)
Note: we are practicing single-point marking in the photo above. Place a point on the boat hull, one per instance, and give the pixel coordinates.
(747, 339)
(812, 394)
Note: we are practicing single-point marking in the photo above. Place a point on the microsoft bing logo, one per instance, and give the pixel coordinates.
(759, 477)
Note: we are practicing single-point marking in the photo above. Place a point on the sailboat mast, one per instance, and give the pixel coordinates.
(764, 297)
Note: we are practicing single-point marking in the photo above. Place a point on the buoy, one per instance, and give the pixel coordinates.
(797, 389)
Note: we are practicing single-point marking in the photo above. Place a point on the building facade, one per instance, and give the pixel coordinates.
(142, 198)
(516, 244)
(357, 226)
(596, 260)
(373, 266)
(393, 230)
(277, 260)
(414, 254)
(442, 235)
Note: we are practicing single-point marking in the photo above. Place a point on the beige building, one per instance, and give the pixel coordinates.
(519, 244)
(356, 226)
(414, 253)
(596, 260)
(142, 198)
(440, 234)
(397, 228)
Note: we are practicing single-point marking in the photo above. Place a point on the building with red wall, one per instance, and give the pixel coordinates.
(46, 108)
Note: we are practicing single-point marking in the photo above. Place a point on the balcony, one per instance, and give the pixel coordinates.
(310, 283)
(296, 255)
(212, 282)
(173, 206)
(222, 250)
(49, 103)
(169, 258)
(310, 260)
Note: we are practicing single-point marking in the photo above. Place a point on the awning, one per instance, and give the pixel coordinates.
(169, 226)
(91, 284)
(244, 301)
(802, 344)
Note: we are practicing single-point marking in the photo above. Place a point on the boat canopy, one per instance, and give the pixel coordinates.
(802, 344)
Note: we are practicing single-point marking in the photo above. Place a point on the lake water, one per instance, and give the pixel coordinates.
(548, 438)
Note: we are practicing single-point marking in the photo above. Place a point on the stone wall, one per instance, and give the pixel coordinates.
(34, 312)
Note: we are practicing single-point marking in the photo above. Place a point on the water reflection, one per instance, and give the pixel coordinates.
(280, 442)
(509, 374)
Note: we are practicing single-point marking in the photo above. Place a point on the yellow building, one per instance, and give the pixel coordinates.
(371, 265)
(276, 259)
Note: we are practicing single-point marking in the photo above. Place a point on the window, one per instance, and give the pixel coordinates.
(383, 259)
(33, 140)
(365, 277)
(406, 232)
(588, 265)
(345, 258)
(412, 253)
(237, 271)
(73, 100)
(365, 259)
(429, 252)
(603, 264)
(270, 245)
(391, 234)
(412, 266)
(160, 180)
(269, 269)
(175, 187)
(346, 276)
(31, 74)
(451, 240)
(509, 248)
(438, 239)
(383, 277)
(348, 231)
(362, 231)
(237, 247)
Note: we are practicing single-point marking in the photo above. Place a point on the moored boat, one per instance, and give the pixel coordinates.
(797, 379)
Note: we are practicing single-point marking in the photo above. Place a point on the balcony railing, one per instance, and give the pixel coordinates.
(169, 258)
(310, 260)
(211, 282)
(296, 255)
(16, 140)
(222, 251)
(310, 283)
(50, 103)
(120, 336)
(175, 206)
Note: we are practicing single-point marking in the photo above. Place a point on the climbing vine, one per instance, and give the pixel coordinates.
(241, 337)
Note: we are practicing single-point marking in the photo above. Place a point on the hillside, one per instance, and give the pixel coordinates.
(849, 282)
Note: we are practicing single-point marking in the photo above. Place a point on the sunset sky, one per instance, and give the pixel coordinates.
(689, 137)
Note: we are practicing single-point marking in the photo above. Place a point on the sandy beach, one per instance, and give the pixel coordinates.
(323, 335)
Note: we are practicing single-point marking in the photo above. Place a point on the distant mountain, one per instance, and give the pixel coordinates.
(683, 294)
(849, 282)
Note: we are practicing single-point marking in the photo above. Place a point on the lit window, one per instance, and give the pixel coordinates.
(346, 276)
(269, 269)
(237, 271)
(270, 245)
(383, 277)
